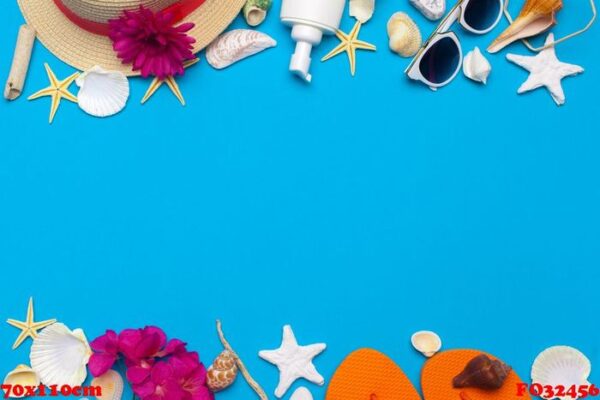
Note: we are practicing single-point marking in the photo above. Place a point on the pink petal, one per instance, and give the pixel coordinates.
(100, 363)
(105, 343)
(145, 389)
(161, 372)
(137, 375)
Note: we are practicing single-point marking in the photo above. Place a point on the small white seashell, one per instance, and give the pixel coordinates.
(102, 93)
(60, 356)
(111, 384)
(426, 342)
(405, 37)
(302, 393)
(476, 66)
(431, 9)
(561, 365)
(236, 45)
(362, 10)
(23, 376)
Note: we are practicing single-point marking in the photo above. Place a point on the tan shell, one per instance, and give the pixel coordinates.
(112, 385)
(222, 372)
(535, 17)
(426, 342)
(24, 376)
(404, 34)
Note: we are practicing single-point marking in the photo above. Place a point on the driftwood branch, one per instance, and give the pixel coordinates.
(253, 384)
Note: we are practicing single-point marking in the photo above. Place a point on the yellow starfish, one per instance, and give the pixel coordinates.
(28, 328)
(350, 43)
(171, 83)
(57, 90)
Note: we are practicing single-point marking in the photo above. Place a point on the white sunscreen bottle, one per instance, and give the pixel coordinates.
(310, 19)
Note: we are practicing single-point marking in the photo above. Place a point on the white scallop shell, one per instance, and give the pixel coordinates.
(23, 376)
(426, 342)
(102, 93)
(476, 67)
(60, 355)
(236, 45)
(561, 365)
(362, 10)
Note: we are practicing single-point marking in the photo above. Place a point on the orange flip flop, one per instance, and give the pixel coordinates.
(367, 374)
(439, 372)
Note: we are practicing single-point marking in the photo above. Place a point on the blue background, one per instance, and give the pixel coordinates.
(357, 209)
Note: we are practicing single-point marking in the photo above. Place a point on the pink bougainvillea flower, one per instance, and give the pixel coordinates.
(151, 43)
(191, 374)
(157, 368)
(181, 377)
(139, 345)
(106, 352)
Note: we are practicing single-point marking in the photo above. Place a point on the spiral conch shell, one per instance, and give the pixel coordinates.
(222, 372)
(535, 17)
(476, 67)
(405, 37)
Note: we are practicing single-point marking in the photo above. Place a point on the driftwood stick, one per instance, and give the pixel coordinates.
(20, 63)
(253, 384)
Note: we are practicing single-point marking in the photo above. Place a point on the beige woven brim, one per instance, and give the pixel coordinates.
(82, 49)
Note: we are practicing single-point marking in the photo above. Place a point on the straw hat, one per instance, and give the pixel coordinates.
(83, 49)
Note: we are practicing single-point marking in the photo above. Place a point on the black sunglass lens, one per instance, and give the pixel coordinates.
(441, 61)
(481, 15)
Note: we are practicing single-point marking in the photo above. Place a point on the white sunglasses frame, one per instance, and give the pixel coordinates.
(442, 32)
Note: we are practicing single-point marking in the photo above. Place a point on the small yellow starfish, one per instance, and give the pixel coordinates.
(57, 90)
(28, 327)
(350, 43)
(171, 83)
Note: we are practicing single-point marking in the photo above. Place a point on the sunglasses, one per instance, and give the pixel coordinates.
(440, 58)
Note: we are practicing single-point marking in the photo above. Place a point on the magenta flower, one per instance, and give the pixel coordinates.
(157, 368)
(182, 377)
(151, 43)
(138, 345)
(106, 352)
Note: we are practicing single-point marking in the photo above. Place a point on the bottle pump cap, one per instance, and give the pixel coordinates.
(300, 63)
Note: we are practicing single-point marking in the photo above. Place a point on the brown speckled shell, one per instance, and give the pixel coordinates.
(222, 372)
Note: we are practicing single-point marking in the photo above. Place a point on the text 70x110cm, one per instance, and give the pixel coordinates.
(52, 391)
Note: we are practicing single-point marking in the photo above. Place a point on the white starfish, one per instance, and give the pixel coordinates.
(545, 70)
(294, 361)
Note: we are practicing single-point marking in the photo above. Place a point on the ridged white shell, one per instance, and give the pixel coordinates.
(476, 67)
(112, 385)
(561, 365)
(236, 45)
(60, 355)
(23, 376)
(426, 342)
(102, 93)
